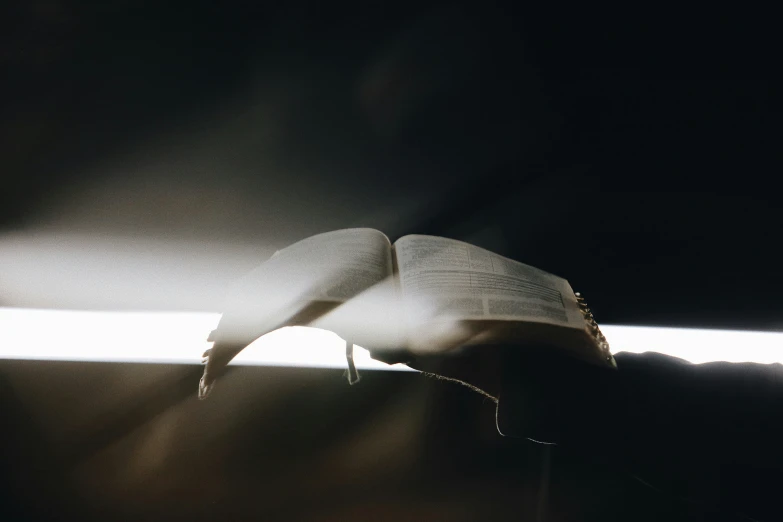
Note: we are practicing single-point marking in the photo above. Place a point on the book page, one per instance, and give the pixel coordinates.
(337, 265)
(447, 279)
(330, 267)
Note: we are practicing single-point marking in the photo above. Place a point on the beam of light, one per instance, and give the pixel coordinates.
(98, 271)
(173, 337)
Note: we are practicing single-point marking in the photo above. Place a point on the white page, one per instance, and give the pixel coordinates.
(445, 278)
(337, 265)
(334, 266)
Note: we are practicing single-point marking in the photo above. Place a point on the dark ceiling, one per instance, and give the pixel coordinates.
(623, 152)
(630, 152)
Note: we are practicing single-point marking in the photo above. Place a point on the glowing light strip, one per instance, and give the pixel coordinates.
(169, 337)
(160, 337)
(698, 345)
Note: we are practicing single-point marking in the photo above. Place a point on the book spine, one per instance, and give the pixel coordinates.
(594, 330)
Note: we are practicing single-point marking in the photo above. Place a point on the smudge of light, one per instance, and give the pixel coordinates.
(173, 337)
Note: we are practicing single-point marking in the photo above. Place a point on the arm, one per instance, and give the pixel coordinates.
(710, 432)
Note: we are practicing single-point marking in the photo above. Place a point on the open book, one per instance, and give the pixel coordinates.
(422, 294)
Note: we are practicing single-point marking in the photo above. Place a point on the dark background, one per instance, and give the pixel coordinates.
(150, 154)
